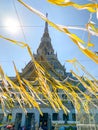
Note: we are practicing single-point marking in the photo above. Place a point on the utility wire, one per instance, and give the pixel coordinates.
(43, 26)
(44, 61)
(19, 21)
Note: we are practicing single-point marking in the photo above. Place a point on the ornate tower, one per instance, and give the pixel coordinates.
(45, 47)
(46, 50)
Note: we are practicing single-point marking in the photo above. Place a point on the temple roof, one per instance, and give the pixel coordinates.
(46, 58)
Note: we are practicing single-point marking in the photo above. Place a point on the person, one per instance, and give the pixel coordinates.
(2, 128)
(23, 128)
(19, 126)
(62, 128)
(40, 128)
(36, 126)
(45, 126)
(13, 127)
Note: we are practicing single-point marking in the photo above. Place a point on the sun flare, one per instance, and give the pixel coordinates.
(12, 25)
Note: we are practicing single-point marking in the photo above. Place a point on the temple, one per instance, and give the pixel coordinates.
(47, 58)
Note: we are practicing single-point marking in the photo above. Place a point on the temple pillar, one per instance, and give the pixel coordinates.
(5, 118)
(13, 117)
(61, 115)
(23, 119)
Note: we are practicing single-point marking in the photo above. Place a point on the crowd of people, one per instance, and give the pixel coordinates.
(12, 127)
(8, 127)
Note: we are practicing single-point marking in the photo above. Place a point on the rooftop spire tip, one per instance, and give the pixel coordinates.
(47, 15)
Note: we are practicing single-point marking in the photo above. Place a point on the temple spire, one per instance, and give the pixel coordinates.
(45, 47)
(46, 25)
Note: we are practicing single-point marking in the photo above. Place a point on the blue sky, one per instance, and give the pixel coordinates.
(32, 31)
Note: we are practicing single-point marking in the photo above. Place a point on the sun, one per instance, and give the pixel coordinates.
(11, 25)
